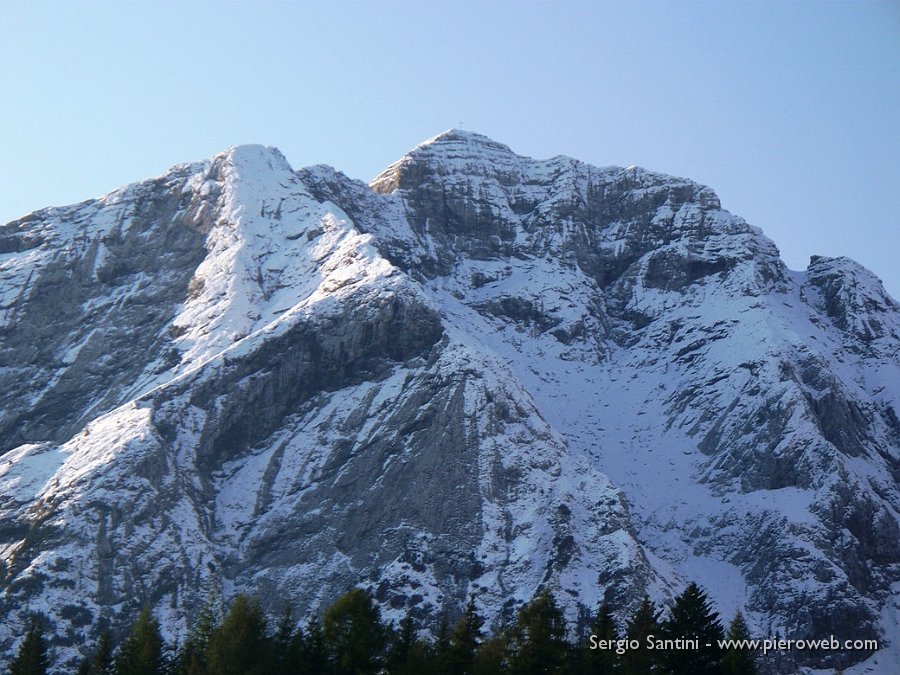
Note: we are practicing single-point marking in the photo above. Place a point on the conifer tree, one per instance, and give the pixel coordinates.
(464, 640)
(191, 659)
(644, 622)
(315, 657)
(292, 659)
(31, 658)
(240, 645)
(739, 661)
(539, 638)
(282, 641)
(492, 656)
(692, 617)
(603, 628)
(440, 651)
(101, 661)
(420, 660)
(409, 655)
(404, 638)
(355, 639)
(142, 651)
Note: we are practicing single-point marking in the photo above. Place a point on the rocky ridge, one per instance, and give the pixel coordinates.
(480, 373)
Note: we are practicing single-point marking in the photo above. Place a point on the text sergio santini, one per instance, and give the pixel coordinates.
(650, 642)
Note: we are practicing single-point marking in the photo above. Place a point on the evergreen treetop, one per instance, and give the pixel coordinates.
(600, 661)
(32, 656)
(240, 645)
(465, 640)
(142, 651)
(643, 623)
(739, 661)
(101, 661)
(693, 618)
(539, 637)
(354, 637)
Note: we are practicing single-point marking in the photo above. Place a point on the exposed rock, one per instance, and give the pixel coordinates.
(484, 373)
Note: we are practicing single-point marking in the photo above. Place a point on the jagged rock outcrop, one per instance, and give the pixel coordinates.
(480, 373)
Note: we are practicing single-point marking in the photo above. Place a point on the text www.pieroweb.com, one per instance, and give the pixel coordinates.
(830, 643)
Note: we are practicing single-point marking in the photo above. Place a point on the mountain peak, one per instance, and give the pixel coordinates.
(254, 156)
(453, 151)
(468, 138)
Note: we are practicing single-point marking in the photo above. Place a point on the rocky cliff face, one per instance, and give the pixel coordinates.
(480, 373)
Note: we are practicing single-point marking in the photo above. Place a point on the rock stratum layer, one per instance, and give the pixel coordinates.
(480, 373)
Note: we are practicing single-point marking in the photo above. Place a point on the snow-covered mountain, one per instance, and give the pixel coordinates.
(480, 373)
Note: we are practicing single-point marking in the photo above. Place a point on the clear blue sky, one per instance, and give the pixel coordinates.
(790, 111)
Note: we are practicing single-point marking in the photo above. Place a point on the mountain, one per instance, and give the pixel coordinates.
(479, 373)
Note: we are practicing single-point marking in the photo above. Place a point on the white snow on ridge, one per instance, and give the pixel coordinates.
(613, 423)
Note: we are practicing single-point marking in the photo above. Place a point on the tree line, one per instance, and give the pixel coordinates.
(352, 639)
